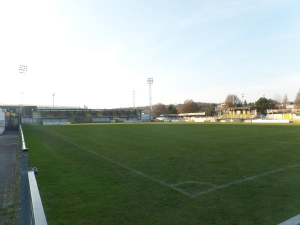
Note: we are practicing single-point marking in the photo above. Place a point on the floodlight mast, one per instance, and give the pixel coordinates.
(22, 70)
(53, 95)
(150, 83)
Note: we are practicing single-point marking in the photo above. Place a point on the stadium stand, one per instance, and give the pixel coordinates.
(79, 115)
(88, 114)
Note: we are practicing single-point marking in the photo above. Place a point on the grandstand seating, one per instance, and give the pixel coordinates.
(81, 116)
(88, 114)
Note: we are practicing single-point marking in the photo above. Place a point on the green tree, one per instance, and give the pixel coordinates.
(159, 109)
(171, 109)
(251, 104)
(210, 110)
(263, 104)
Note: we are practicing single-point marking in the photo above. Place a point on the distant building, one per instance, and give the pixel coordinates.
(289, 113)
(62, 115)
(187, 117)
(81, 115)
(243, 113)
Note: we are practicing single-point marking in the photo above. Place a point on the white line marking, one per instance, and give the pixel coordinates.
(192, 181)
(122, 165)
(244, 179)
(173, 186)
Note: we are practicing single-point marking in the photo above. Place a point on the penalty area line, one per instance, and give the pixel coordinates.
(121, 165)
(244, 180)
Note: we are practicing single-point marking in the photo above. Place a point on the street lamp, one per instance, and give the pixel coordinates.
(53, 94)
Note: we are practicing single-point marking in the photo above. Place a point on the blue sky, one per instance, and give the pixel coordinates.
(95, 53)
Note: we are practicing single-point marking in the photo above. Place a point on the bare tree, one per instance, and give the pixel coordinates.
(285, 100)
(297, 100)
(278, 98)
(232, 100)
(159, 109)
(189, 106)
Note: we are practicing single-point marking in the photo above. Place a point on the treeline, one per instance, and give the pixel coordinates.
(262, 105)
(189, 106)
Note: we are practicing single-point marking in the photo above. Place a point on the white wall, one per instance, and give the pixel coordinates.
(270, 121)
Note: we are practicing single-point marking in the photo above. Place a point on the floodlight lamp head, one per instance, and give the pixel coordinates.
(22, 69)
(150, 81)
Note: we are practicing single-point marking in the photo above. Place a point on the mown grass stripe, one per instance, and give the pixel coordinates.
(121, 165)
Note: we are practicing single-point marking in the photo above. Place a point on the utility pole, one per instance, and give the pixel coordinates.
(242, 99)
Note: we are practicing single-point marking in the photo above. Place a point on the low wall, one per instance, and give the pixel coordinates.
(177, 121)
(55, 123)
(206, 119)
(270, 121)
(200, 120)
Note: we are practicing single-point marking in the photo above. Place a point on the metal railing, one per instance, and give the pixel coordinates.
(38, 216)
(32, 211)
(24, 148)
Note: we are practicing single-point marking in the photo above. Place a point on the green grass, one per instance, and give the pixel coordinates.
(79, 184)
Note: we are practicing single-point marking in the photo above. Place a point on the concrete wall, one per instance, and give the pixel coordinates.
(204, 119)
(101, 120)
(41, 121)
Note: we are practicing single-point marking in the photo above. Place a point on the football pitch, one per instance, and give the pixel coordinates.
(167, 173)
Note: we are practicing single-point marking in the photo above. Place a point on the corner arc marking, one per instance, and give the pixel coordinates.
(195, 182)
